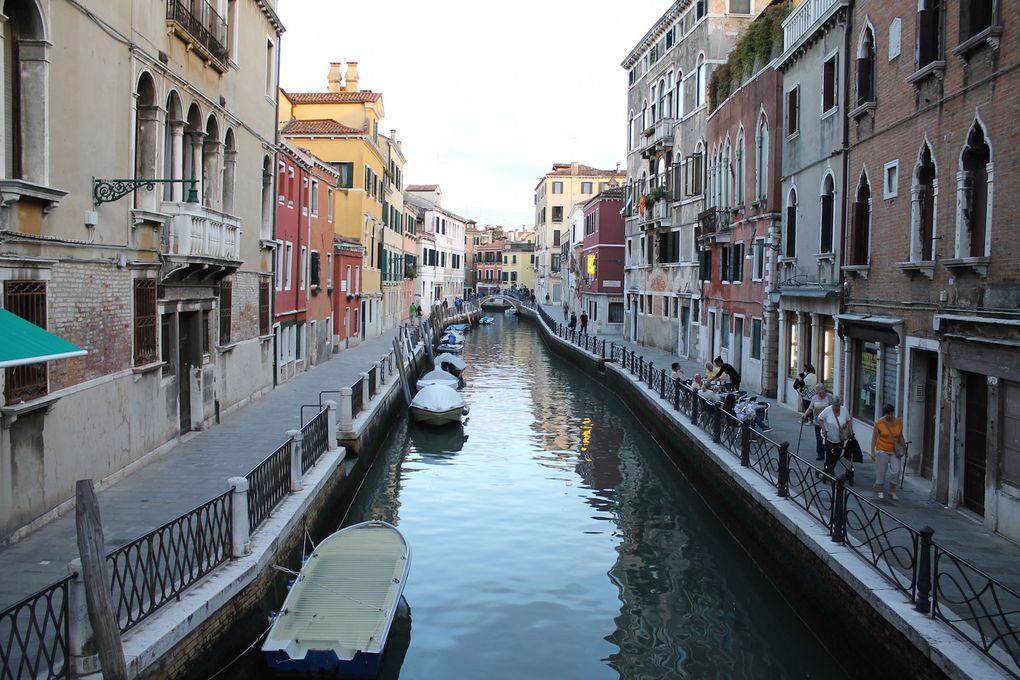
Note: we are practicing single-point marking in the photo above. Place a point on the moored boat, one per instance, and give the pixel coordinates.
(451, 363)
(438, 377)
(339, 611)
(438, 405)
(487, 320)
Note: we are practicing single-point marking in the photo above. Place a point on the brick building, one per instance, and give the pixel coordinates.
(600, 282)
(488, 266)
(293, 237)
(931, 319)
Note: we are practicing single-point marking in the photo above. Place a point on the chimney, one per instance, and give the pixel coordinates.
(574, 169)
(352, 77)
(333, 79)
(393, 134)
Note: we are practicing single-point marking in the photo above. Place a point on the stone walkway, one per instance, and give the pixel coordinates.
(954, 529)
(191, 473)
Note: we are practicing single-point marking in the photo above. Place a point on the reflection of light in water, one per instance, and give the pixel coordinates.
(586, 428)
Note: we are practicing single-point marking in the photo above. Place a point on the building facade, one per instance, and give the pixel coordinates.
(668, 72)
(488, 265)
(601, 262)
(169, 290)
(394, 308)
(441, 236)
(292, 234)
(348, 256)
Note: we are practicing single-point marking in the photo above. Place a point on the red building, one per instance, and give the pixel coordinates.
(600, 282)
(489, 266)
(348, 255)
(738, 234)
(292, 236)
(321, 282)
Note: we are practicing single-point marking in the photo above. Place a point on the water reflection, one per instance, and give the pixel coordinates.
(552, 539)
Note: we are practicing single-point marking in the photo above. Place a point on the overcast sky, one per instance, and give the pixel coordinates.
(484, 95)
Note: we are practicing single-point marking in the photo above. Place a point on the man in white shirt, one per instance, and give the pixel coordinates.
(834, 425)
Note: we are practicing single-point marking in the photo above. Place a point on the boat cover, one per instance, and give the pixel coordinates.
(451, 359)
(437, 399)
(438, 377)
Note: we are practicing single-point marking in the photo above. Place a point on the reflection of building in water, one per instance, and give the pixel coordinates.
(598, 462)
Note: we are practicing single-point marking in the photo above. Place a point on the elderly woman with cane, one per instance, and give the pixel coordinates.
(822, 400)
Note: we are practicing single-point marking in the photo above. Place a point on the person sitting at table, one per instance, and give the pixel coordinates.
(711, 372)
(677, 373)
(703, 389)
(725, 369)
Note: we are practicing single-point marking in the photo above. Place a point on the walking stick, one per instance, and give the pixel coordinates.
(903, 463)
(800, 434)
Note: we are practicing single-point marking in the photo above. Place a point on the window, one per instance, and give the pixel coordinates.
(270, 68)
(314, 199)
(615, 312)
(929, 32)
(315, 266)
(699, 83)
(738, 194)
(557, 187)
(724, 331)
(264, 307)
(791, 224)
(758, 266)
(793, 111)
(695, 173)
(975, 16)
(737, 262)
(226, 301)
(304, 267)
(329, 205)
(705, 265)
(923, 209)
(828, 207)
(793, 365)
(700, 9)
(865, 379)
(279, 265)
(557, 213)
(556, 237)
(724, 264)
(891, 183)
(866, 68)
(585, 187)
(756, 339)
(145, 321)
(761, 160)
(973, 191)
(291, 190)
(830, 83)
(740, 6)
(289, 266)
(860, 235)
(346, 171)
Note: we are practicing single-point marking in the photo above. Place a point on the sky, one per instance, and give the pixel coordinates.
(485, 96)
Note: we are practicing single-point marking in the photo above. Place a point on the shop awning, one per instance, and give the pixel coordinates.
(22, 342)
(880, 329)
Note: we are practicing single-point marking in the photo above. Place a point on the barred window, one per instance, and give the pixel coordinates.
(226, 300)
(26, 299)
(264, 290)
(146, 322)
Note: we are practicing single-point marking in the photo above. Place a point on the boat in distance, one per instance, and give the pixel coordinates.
(438, 405)
(451, 363)
(438, 377)
(338, 613)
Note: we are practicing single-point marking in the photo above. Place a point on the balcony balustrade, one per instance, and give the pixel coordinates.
(197, 238)
(198, 23)
(805, 19)
(712, 222)
(661, 137)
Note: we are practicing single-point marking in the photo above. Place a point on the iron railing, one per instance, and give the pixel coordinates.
(372, 381)
(885, 542)
(357, 397)
(34, 635)
(152, 570)
(200, 20)
(314, 439)
(268, 484)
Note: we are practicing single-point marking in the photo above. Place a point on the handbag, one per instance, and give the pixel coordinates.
(852, 450)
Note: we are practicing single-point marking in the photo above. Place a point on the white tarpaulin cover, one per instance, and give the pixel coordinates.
(437, 398)
(437, 377)
(451, 359)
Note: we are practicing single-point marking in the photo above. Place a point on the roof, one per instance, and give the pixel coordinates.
(345, 97)
(322, 126)
(565, 169)
(25, 343)
(421, 187)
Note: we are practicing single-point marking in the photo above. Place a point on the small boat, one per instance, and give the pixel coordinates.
(486, 320)
(509, 311)
(451, 342)
(459, 327)
(451, 363)
(338, 614)
(438, 405)
(438, 377)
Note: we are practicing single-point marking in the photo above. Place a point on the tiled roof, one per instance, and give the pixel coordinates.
(334, 97)
(319, 127)
(421, 187)
(565, 168)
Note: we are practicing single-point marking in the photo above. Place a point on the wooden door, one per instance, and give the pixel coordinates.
(975, 445)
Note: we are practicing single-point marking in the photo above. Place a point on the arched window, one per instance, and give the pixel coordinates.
(193, 132)
(860, 235)
(25, 85)
(662, 99)
(211, 160)
(791, 224)
(699, 83)
(630, 129)
(661, 177)
(761, 159)
(738, 194)
(922, 215)
(173, 148)
(866, 67)
(974, 191)
(229, 164)
(667, 111)
(644, 115)
(975, 16)
(727, 177)
(827, 201)
(680, 95)
(146, 138)
(655, 106)
(267, 197)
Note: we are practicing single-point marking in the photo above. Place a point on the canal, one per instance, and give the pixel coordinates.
(552, 538)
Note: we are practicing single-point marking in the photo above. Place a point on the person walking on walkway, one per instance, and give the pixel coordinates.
(565, 310)
(887, 449)
(573, 322)
(584, 322)
(834, 423)
(805, 383)
(822, 400)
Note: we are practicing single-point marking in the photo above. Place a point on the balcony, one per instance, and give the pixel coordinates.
(805, 20)
(199, 243)
(711, 222)
(197, 23)
(659, 215)
(659, 139)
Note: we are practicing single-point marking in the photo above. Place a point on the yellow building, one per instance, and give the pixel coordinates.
(519, 262)
(341, 126)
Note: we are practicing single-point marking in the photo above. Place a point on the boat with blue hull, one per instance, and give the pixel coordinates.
(338, 614)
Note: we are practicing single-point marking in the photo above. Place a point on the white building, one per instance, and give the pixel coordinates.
(441, 239)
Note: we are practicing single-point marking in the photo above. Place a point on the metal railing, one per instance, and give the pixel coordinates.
(357, 397)
(150, 571)
(268, 484)
(199, 19)
(373, 381)
(314, 439)
(34, 635)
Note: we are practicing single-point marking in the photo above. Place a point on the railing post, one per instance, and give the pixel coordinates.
(924, 568)
(331, 440)
(676, 396)
(650, 370)
(716, 422)
(346, 409)
(79, 628)
(392, 358)
(603, 348)
(381, 372)
(612, 349)
(240, 545)
(296, 444)
(839, 510)
(695, 406)
(366, 396)
(662, 384)
(745, 444)
(783, 481)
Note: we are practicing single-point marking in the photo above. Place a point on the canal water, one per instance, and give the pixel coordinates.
(552, 538)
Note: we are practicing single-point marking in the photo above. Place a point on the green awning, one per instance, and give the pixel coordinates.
(22, 342)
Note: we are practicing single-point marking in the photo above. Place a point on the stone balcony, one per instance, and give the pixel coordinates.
(199, 242)
(659, 138)
(804, 21)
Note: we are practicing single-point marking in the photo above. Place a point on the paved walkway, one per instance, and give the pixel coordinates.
(188, 475)
(954, 529)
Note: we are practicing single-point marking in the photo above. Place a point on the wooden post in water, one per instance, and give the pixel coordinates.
(92, 549)
(398, 357)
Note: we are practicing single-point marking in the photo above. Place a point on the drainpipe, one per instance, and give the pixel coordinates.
(847, 31)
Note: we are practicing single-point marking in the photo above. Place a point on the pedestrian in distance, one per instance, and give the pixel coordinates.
(821, 401)
(805, 384)
(566, 309)
(887, 450)
(573, 322)
(584, 322)
(547, 298)
(834, 423)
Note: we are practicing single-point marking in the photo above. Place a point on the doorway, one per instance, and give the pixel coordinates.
(685, 329)
(189, 353)
(737, 357)
(713, 351)
(927, 374)
(633, 318)
(364, 307)
(975, 444)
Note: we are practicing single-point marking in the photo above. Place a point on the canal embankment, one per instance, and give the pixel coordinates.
(867, 619)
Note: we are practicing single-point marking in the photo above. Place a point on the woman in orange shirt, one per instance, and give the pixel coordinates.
(887, 450)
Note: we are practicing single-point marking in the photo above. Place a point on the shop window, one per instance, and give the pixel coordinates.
(793, 348)
(865, 380)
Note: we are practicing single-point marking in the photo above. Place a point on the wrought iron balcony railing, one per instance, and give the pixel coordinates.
(198, 22)
(711, 222)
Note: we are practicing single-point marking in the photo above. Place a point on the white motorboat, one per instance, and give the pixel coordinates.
(338, 614)
(438, 405)
(451, 342)
(487, 320)
(451, 363)
(438, 377)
